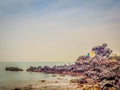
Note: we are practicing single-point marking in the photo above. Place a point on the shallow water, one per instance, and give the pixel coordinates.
(12, 79)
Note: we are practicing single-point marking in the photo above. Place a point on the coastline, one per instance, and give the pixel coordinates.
(56, 84)
(101, 72)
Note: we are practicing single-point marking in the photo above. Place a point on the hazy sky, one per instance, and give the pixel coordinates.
(57, 30)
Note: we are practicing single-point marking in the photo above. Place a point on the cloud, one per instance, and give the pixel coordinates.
(55, 30)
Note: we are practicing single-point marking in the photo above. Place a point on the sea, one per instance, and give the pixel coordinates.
(22, 78)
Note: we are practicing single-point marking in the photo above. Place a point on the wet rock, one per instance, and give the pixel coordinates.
(74, 81)
(82, 81)
(17, 89)
(29, 87)
(92, 87)
(53, 75)
(56, 81)
(108, 85)
(43, 81)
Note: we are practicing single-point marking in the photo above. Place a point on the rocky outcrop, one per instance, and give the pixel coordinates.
(99, 69)
(13, 69)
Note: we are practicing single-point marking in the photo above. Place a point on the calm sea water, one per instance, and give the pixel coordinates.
(9, 78)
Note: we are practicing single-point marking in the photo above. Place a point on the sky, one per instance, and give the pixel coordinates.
(56, 30)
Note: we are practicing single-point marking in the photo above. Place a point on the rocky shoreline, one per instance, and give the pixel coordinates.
(106, 74)
(99, 71)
